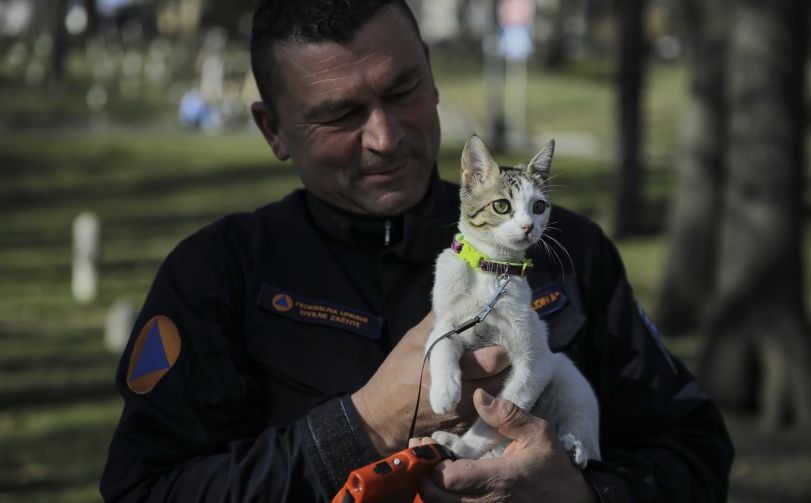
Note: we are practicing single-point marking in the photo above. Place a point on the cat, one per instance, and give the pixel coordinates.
(504, 211)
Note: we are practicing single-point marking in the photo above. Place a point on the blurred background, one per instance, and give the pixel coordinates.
(680, 128)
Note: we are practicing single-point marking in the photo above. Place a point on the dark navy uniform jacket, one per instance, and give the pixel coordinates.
(283, 312)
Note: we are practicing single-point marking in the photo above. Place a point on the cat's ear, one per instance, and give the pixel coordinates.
(540, 165)
(477, 165)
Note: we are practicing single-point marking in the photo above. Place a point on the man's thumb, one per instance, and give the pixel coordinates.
(503, 415)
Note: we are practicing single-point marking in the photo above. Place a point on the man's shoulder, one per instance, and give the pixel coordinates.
(242, 226)
(235, 234)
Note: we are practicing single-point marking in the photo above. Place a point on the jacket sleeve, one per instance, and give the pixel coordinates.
(662, 437)
(199, 433)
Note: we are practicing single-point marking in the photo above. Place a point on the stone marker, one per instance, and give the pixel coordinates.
(117, 328)
(86, 233)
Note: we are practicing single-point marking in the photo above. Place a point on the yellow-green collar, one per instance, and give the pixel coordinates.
(479, 260)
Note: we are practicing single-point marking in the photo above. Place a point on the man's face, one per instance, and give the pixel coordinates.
(359, 120)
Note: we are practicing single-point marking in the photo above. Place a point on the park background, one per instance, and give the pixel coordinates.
(680, 128)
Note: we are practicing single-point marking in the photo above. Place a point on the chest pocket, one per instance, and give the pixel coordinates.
(315, 347)
(561, 311)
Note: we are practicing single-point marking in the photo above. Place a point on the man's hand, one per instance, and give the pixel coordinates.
(535, 466)
(386, 402)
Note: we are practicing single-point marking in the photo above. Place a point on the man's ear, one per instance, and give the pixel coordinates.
(269, 126)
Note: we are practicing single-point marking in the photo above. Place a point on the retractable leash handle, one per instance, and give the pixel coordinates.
(397, 474)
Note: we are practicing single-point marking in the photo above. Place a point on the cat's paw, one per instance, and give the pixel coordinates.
(448, 439)
(457, 444)
(445, 394)
(575, 449)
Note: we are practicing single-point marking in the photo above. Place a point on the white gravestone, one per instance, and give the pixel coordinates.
(86, 233)
(120, 320)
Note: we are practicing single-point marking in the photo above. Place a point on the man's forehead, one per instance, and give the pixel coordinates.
(384, 51)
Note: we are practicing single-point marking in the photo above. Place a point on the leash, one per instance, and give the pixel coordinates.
(501, 285)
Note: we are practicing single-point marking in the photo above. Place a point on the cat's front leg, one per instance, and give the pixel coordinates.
(446, 376)
(475, 443)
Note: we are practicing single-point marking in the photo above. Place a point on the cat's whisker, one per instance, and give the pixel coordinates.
(563, 248)
(551, 252)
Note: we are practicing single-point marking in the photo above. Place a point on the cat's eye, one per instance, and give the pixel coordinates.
(501, 206)
(539, 206)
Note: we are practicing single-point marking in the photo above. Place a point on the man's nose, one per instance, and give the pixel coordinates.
(382, 133)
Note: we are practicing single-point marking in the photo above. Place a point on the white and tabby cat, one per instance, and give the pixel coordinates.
(504, 211)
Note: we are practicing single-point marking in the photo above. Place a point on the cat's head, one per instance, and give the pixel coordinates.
(504, 207)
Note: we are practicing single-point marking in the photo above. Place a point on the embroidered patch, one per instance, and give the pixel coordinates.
(548, 299)
(654, 332)
(155, 352)
(296, 307)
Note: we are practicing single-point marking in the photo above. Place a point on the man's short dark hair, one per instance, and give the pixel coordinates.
(306, 21)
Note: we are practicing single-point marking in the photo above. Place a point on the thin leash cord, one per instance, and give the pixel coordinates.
(422, 373)
(501, 284)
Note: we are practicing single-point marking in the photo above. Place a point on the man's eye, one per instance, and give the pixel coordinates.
(342, 118)
(403, 93)
(539, 206)
(501, 206)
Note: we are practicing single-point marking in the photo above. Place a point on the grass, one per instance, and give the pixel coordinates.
(151, 187)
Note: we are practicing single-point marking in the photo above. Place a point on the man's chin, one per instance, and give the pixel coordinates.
(392, 203)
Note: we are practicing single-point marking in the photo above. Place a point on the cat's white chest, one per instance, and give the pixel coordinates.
(460, 292)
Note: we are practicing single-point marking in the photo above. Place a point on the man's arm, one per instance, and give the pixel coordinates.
(199, 433)
(662, 437)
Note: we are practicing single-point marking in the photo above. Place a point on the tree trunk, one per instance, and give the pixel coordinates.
(692, 240)
(628, 177)
(553, 55)
(759, 306)
(59, 35)
(92, 18)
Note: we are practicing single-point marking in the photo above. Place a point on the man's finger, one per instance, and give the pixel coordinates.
(430, 492)
(417, 441)
(468, 476)
(484, 362)
(507, 418)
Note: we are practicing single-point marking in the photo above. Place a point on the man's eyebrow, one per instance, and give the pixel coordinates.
(329, 108)
(401, 78)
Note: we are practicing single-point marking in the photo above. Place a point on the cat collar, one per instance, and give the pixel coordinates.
(479, 260)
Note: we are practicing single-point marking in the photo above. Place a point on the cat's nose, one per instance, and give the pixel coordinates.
(527, 228)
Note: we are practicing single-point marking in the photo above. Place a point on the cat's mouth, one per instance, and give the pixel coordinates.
(525, 241)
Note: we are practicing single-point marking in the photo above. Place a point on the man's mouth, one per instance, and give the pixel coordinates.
(385, 170)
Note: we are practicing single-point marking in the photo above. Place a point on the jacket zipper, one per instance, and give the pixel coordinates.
(387, 235)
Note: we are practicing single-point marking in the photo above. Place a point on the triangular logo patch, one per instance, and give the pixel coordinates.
(153, 356)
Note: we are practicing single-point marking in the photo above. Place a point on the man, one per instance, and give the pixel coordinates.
(275, 351)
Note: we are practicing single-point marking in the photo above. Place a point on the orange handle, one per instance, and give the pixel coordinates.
(396, 474)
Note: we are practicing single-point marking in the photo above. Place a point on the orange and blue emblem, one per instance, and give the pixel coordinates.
(155, 352)
(282, 302)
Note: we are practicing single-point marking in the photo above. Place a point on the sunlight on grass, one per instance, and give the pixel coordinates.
(27, 425)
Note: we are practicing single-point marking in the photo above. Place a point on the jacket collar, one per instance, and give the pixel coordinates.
(417, 235)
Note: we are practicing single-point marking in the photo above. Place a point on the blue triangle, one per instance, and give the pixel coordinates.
(152, 356)
(282, 302)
